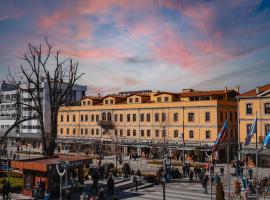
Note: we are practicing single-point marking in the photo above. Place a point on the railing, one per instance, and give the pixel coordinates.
(106, 124)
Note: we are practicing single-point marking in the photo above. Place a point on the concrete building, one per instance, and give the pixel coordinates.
(255, 102)
(141, 119)
(28, 130)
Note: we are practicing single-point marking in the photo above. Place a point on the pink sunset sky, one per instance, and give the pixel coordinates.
(146, 44)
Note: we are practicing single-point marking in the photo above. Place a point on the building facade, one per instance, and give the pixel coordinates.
(146, 118)
(9, 108)
(252, 104)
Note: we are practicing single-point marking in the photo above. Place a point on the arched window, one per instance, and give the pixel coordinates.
(104, 116)
(109, 116)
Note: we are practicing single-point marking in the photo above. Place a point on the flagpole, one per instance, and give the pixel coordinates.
(257, 176)
(228, 158)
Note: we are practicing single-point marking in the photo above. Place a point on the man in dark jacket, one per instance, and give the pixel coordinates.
(110, 185)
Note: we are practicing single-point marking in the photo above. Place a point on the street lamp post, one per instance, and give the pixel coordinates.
(163, 186)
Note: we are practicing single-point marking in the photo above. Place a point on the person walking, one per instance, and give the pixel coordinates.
(134, 182)
(205, 183)
(250, 173)
(221, 171)
(110, 185)
(191, 176)
(4, 189)
(219, 191)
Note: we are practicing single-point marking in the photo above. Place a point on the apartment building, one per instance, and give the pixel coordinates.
(145, 118)
(28, 130)
(251, 104)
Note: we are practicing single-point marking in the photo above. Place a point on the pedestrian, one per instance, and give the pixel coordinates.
(205, 183)
(110, 185)
(212, 169)
(221, 171)
(4, 189)
(219, 191)
(250, 172)
(134, 182)
(191, 176)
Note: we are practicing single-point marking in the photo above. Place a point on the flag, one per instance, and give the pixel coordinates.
(221, 135)
(266, 141)
(251, 133)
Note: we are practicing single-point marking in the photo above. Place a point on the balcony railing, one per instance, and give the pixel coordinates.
(106, 124)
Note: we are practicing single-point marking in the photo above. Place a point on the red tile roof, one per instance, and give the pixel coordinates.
(206, 93)
(252, 93)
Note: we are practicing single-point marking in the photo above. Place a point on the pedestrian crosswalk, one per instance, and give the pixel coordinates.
(173, 191)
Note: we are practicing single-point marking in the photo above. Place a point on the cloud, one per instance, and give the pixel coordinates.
(94, 90)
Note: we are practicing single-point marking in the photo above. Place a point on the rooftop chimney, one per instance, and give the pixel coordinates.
(257, 90)
(238, 88)
(226, 89)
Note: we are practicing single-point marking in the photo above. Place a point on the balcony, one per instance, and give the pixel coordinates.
(106, 124)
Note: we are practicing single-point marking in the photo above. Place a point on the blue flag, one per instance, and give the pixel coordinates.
(251, 133)
(221, 136)
(266, 141)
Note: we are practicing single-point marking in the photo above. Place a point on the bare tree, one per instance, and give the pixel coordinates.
(43, 66)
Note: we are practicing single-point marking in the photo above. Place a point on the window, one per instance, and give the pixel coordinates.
(148, 117)
(62, 118)
(121, 132)
(61, 129)
(164, 133)
(157, 133)
(106, 101)
(191, 134)
(156, 117)
(86, 131)
(128, 117)
(249, 109)
(84, 103)
(166, 99)
(231, 117)
(67, 118)
(142, 133)
(74, 131)
(81, 118)
(159, 99)
(74, 118)
(86, 118)
(103, 116)
(134, 117)
(109, 116)
(121, 117)
(128, 132)
(97, 131)
(163, 117)
(111, 101)
(249, 128)
(137, 100)
(142, 117)
(267, 128)
(191, 117)
(175, 117)
(221, 116)
(92, 118)
(92, 131)
(67, 131)
(97, 118)
(207, 135)
(115, 133)
(134, 133)
(115, 117)
(148, 133)
(175, 134)
(88, 103)
(207, 116)
(130, 100)
(267, 108)
(81, 131)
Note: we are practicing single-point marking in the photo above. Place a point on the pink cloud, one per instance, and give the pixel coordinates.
(11, 16)
(94, 90)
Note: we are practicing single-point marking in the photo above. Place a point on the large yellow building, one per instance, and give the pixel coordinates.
(144, 118)
(254, 103)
